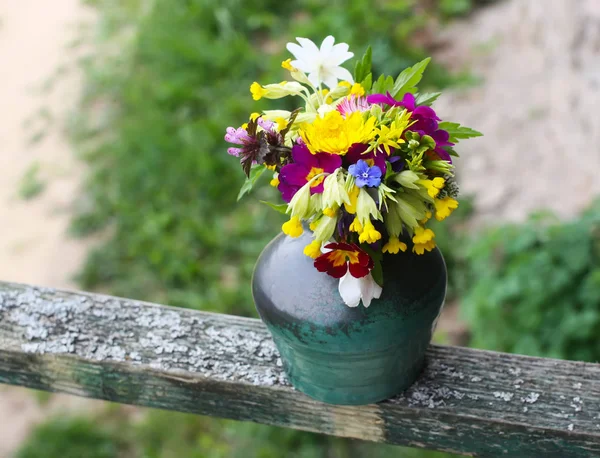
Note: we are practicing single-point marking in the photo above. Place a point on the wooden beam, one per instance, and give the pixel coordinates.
(467, 401)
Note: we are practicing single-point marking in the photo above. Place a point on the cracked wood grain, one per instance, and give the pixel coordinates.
(467, 401)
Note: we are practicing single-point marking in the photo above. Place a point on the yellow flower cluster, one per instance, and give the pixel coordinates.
(335, 134)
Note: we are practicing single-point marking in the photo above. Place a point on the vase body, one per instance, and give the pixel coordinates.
(342, 355)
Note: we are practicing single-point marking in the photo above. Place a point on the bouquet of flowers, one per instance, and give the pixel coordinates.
(364, 164)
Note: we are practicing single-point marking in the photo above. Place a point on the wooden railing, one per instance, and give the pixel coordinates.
(467, 401)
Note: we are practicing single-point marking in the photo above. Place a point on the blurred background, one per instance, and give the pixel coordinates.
(115, 178)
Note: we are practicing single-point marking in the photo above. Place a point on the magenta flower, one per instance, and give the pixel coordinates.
(424, 117)
(374, 157)
(306, 166)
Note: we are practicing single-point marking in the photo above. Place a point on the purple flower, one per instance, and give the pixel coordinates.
(365, 175)
(238, 137)
(397, 163)
(424, 117)
(374, 157)
(306, 166)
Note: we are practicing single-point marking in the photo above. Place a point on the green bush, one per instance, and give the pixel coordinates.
(176, 435)
(71, 437)
(535, 288)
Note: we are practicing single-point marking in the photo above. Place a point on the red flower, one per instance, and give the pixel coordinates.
(344, 256)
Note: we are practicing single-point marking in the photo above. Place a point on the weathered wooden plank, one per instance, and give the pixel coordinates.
(467, 401)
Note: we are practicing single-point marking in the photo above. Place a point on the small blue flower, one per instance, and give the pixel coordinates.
(365, 175)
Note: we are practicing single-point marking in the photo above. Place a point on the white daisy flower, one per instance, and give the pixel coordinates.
(322, 65)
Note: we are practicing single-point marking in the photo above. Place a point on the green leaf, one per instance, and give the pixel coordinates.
(281, 208)
(427, 98)
(363, 66)
(458, 132)
(376, 256)
(451, 152)
(367, 83)
(377, 273)
(255, 174)
(383, 85)
(409, 78)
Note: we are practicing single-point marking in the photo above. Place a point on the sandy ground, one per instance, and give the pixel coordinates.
(540, 63)
(33, 244)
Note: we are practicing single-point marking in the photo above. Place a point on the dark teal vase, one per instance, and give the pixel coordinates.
(343, 355)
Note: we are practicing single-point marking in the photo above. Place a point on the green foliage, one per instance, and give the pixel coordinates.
(409, 78)
(455, 7)
(362, 70)
(458, 132)
(535, 288)
(71, 438)
(175, 435)
(31, 185)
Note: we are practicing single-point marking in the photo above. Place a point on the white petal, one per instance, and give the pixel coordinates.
(378, 290)
(339, 54)
(329, 78)
(327, 45)
(349, 288)
(369, 289)
(314, 79)
(303, 66)
(308, 45)
(342, 74)
(301, 53)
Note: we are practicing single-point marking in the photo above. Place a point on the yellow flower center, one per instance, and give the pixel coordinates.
(314, 171)
(339, 257)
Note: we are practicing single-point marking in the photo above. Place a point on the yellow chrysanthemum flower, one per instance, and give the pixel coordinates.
(334, 134)
(293, 227)
(313, 249)
(443, 207)
(369, 234)
(433, 186)
(394, 246)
